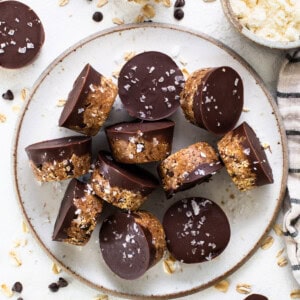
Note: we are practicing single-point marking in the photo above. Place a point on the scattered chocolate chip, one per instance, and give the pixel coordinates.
(8, 95)
(178, 14)
(179, 3)
(17, 287)
(53, 287)
(97, 16)
(62, 282)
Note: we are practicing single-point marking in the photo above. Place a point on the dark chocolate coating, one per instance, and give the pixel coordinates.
(123, 176)
(67, 209)
(126, 246)
(256, 297)
(21, 34)
(219, 100)
(123, 131)
(59, 149)
(256, 155)
(197, 230)
(71, 115)
(150, 85)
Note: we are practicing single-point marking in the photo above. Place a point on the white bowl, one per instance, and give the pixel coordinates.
(228, 11)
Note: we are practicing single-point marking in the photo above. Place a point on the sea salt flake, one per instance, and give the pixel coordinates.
(29, 24)
(236, 81)
(11, 32)
(30, 45)
(139, 148)
(127, 87)
(151, 69)
(202, 154)
(171, 88)
(247, 151)
(80, 110)
(22, 50)
(195, 207)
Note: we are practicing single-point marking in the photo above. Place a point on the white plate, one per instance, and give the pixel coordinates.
(250, 214)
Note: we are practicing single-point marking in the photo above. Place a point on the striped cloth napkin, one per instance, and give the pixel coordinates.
(288, 97)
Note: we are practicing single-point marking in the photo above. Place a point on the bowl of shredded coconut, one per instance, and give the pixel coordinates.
(272, 23)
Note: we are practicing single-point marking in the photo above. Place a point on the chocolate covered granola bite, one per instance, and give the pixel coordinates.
(244, 158)
(213, 99)
(188, 167)
(21, 34)
(89, 102)
(78, 213)
(197, 230)
(60, 159)
(132, 243)
(140, 142)
(150, 85)
(124, 186)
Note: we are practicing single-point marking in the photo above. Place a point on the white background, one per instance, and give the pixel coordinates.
(64, 26)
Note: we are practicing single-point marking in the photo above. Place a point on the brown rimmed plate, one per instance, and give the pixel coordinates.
(250, 214)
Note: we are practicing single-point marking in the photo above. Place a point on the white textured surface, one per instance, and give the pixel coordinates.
(64, 26)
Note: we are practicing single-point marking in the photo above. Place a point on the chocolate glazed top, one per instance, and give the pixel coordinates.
(21, 34)
(125, 176)
(257, 157)
(59, 149)
(72, 114)
(125, 247)
(149, 130)
(199, 226)
(256, 297)
(75, 190)
(219, 100)
(150, 85)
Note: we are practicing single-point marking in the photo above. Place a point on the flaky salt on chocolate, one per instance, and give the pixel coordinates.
(140, 142)
(89, 102)
(244, 158)
(78, 213)
(149, 85)
(132, 243)
(188, 167)
(213, 99)
(124, 186)
(197, 230)
(21, 34)
(60, 159)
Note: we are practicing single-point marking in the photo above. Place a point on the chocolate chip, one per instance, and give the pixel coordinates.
(62, 282)
(179, 3)
(20, 298)
(53, 287)
(178, 14)
(8, 95)
(97, 16)
(17, 287)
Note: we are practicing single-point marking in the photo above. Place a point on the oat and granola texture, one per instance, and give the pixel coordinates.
(77, 217)
(89, 102)
(187, 167)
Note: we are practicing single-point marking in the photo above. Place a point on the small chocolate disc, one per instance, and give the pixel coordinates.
(150, 85)
(125, 247)
(21, 34)
(219, 100)
(58, 149)
(197, 230)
